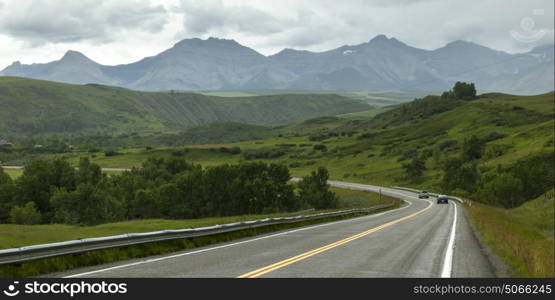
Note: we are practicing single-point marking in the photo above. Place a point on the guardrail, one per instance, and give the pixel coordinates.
(28, 253)
(462, 201)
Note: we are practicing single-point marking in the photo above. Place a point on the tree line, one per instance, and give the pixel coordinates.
(507, 186)
(56, 192)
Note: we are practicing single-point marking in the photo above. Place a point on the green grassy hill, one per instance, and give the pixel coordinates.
(512, 127)
(31, 107)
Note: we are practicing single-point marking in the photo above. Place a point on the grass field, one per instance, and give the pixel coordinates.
(13, 173)
(23, 235)
(367, 114)
(522, 237)
(229, 94)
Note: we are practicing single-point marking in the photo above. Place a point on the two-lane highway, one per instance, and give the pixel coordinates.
(420, 239)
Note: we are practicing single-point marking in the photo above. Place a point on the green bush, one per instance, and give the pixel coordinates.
(110, 153)
(314, 190)
(511, 186)
(27, 214)
(463, 90)
(4, 178)
(320, 147)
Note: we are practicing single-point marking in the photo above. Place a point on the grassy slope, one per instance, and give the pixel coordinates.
(367, 114)
(377, 98)
(377, 158)
(522, 237)
(21, 235)
(34, 106)
(13, 173)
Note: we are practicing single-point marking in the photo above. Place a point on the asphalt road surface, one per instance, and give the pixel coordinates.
(420, 239)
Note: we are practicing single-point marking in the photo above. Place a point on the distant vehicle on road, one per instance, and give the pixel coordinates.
(442, 199)
(423, 195)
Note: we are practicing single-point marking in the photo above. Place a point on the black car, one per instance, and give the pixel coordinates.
(442, 199)
(423, 195)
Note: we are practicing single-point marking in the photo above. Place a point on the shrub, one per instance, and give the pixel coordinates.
(314, 190)
(448, 144)
(263, 153)
(109, 153)
(496, 150)
(320, 147)
(27, 214)
(295, 165)
(235, 150)
(463, 90)
(178, 153)
(318, 137)
(502, 189)
(494, 136)
(4, 178)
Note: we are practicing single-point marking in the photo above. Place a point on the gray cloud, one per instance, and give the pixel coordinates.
(202, 17)
(323, 24)
(131, 29)
(39, 21)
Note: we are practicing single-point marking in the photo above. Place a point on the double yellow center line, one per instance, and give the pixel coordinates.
(294, 259)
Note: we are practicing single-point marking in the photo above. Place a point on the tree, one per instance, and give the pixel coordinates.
(502, 189)
(536, 173)
(314, 190)
(86, 205)
(8, 194)
(27, 214)
(63, 174)
(4, 178)
(463, 90)
(35, 185)
(415, 168)
(472, 148)
(459, 174)
(88, 172)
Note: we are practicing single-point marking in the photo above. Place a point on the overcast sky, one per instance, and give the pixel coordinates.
(124, 31)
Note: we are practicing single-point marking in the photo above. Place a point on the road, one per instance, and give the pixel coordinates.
(420, 239)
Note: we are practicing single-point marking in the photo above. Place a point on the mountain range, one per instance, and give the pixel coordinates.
(381, 63)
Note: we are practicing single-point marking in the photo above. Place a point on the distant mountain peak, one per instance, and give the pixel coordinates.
(291, 51)
(461, 43)
(379, 38)
(383, 39)
(208, 41)
(15, 65)
(72, 55)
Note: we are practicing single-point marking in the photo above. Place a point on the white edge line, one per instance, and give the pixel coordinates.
(448, 260)
(230, 245)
